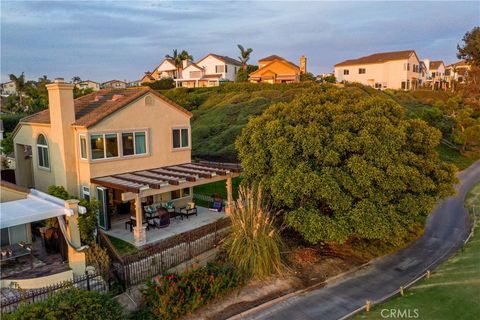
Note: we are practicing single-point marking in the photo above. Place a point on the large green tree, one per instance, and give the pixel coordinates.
(346, 166)
(470, 50)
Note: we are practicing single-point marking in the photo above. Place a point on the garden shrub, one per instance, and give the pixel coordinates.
(71, 304)
(171, 296)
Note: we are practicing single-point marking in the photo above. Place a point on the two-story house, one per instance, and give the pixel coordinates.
(114, 84)
(88, 84)
(393, 70)
(436, 74)
(209, 71)
(275, 69)
(457, 72)
(166, 69)
(8, 88)
(120, 146)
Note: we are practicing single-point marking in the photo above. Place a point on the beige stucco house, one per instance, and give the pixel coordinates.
(275, 69)
(121, 146)
(88, 84)
(435, 74)
(114, 84)
(392, 70)
(457, 72)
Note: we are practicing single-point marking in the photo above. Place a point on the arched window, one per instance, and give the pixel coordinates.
(42, 148)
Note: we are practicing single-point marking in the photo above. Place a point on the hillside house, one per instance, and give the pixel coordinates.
(124, 147)
(114, 84)
(392, 70)
(209, 71)
(275, 69)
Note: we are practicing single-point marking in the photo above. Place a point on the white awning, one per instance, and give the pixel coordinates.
(36, 207)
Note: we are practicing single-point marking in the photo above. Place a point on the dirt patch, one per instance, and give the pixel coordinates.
(308, 267)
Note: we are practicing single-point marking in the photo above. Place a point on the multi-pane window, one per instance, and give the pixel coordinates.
(83, 147)
(362, 70)
(186, 192)
(346, 72)
(220, 68)
(134, 143)
(42, 148)
(180, 138)
(104, 145)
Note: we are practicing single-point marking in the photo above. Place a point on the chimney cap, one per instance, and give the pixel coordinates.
(59, 80)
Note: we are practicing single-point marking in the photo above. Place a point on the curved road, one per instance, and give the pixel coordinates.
(447, 227)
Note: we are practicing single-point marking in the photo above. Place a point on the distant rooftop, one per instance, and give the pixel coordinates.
(378, 58)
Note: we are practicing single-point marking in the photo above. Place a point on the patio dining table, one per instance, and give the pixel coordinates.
(15, 251)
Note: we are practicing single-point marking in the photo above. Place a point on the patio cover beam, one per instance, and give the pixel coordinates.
(188, 177)
(152, 183)
(183, 169)
(150, 174)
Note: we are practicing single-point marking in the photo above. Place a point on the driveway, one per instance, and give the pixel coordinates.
(447, 228)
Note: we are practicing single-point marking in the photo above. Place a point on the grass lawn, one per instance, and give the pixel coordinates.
(122, 246)
(453, 290)
(219, 187)
(452, 156)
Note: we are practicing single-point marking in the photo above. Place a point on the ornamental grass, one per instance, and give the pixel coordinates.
(254, 244)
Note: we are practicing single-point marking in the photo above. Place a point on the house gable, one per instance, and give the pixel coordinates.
(276, 67)
(166, 65)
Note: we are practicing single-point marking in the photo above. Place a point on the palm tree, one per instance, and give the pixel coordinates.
(76, 79)
(178, 59)
(244, 55)
(20, 85)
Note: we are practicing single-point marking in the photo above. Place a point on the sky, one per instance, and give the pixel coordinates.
(103, 40)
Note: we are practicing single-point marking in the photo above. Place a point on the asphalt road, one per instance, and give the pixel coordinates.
(447, 228)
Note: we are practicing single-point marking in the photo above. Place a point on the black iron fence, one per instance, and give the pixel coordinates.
(128, 270)
(158, 258)
(12, 298)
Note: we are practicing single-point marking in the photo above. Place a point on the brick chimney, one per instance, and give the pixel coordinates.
(61, 136)
(303, 64)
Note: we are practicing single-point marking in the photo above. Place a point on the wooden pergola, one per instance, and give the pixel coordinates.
(143, 183)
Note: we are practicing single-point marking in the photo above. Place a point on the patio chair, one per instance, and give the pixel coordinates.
(170, 207)
(189, 210)
(216, 206)
(133, 223)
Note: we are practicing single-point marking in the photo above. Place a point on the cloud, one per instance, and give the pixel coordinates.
(105, 40)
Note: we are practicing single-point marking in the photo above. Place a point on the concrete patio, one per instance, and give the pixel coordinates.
(177, 226)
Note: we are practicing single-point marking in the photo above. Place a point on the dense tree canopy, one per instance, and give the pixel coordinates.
(345, 166)
(470, 50)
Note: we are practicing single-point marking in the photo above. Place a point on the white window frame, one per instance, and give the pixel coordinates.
(135, 154)
(45, 149)
(104, 146)
(188, 135)
(84, 136)
(86, 191)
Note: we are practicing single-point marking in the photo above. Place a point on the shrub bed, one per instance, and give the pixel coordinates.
(171, 296)
(72, 304)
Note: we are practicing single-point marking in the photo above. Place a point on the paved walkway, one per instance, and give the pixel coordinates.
(447, 227)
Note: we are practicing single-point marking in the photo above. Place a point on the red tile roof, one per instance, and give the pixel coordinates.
(94, 107)
(435, 64)
(378, 58)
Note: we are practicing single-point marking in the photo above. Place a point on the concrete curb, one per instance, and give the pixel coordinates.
(299, 292)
